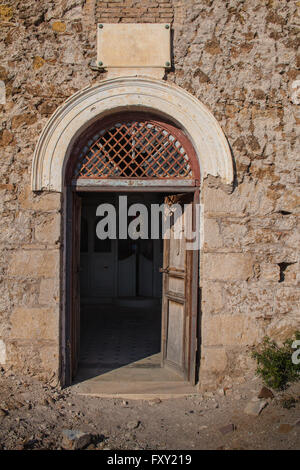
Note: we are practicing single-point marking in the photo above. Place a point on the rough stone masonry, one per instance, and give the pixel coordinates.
(241, 59)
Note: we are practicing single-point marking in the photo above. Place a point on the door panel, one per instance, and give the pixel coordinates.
(180, 293)
(174, 352)
(177, 285)
(75, 284)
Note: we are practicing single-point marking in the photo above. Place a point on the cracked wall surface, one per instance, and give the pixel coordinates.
(241, 59)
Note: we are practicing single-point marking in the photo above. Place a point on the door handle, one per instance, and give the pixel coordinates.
(164, 270)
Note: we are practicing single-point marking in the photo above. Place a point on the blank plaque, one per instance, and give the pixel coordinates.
(134, 45)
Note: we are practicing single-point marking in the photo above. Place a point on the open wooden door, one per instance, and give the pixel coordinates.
(180, 294)
(75, 284)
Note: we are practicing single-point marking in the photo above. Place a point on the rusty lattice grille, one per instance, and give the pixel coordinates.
(134, 150)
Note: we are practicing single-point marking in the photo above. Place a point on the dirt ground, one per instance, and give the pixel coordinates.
(34, 415)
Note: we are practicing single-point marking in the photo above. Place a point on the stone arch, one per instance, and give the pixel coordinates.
(124, 94)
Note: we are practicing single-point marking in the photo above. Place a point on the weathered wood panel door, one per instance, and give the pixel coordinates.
(180, 294)
(75, 284)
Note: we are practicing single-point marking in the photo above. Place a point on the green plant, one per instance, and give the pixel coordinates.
(274, 363)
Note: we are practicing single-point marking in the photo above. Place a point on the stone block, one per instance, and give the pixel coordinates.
(43, 202)
(269, 272)
(214, 360)
(6, 12)
(212, 237)
(284, 328)
(218, 202)
(47, 229)
(15, 229)
(34, 263)
(292, 274)
(234, 232)
(38, 62)
(249, 298)
(49, 291)
(35, 356)
(287, 300)
(230, 330)
(34, 323)
(254, 408)
(26, 119)
(227, 266)
(265, 393)
(75, 440)
(49, 356)
(58, 27)
(212, 296)
(247, 198)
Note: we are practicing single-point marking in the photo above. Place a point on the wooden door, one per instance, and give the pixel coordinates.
(75, 284)
(180, 295)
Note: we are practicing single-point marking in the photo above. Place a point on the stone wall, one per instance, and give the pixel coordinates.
(45, 52)
(240, 58)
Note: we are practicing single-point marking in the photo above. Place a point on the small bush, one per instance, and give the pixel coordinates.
(274, 363)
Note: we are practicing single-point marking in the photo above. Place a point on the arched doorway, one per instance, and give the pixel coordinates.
(137, 306)
(107, 98)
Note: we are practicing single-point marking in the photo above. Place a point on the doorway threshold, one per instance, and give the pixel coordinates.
(135, 383)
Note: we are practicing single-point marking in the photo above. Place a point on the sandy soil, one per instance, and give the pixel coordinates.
(33, 416)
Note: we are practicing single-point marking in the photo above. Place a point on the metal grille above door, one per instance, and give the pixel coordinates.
(135, 149)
